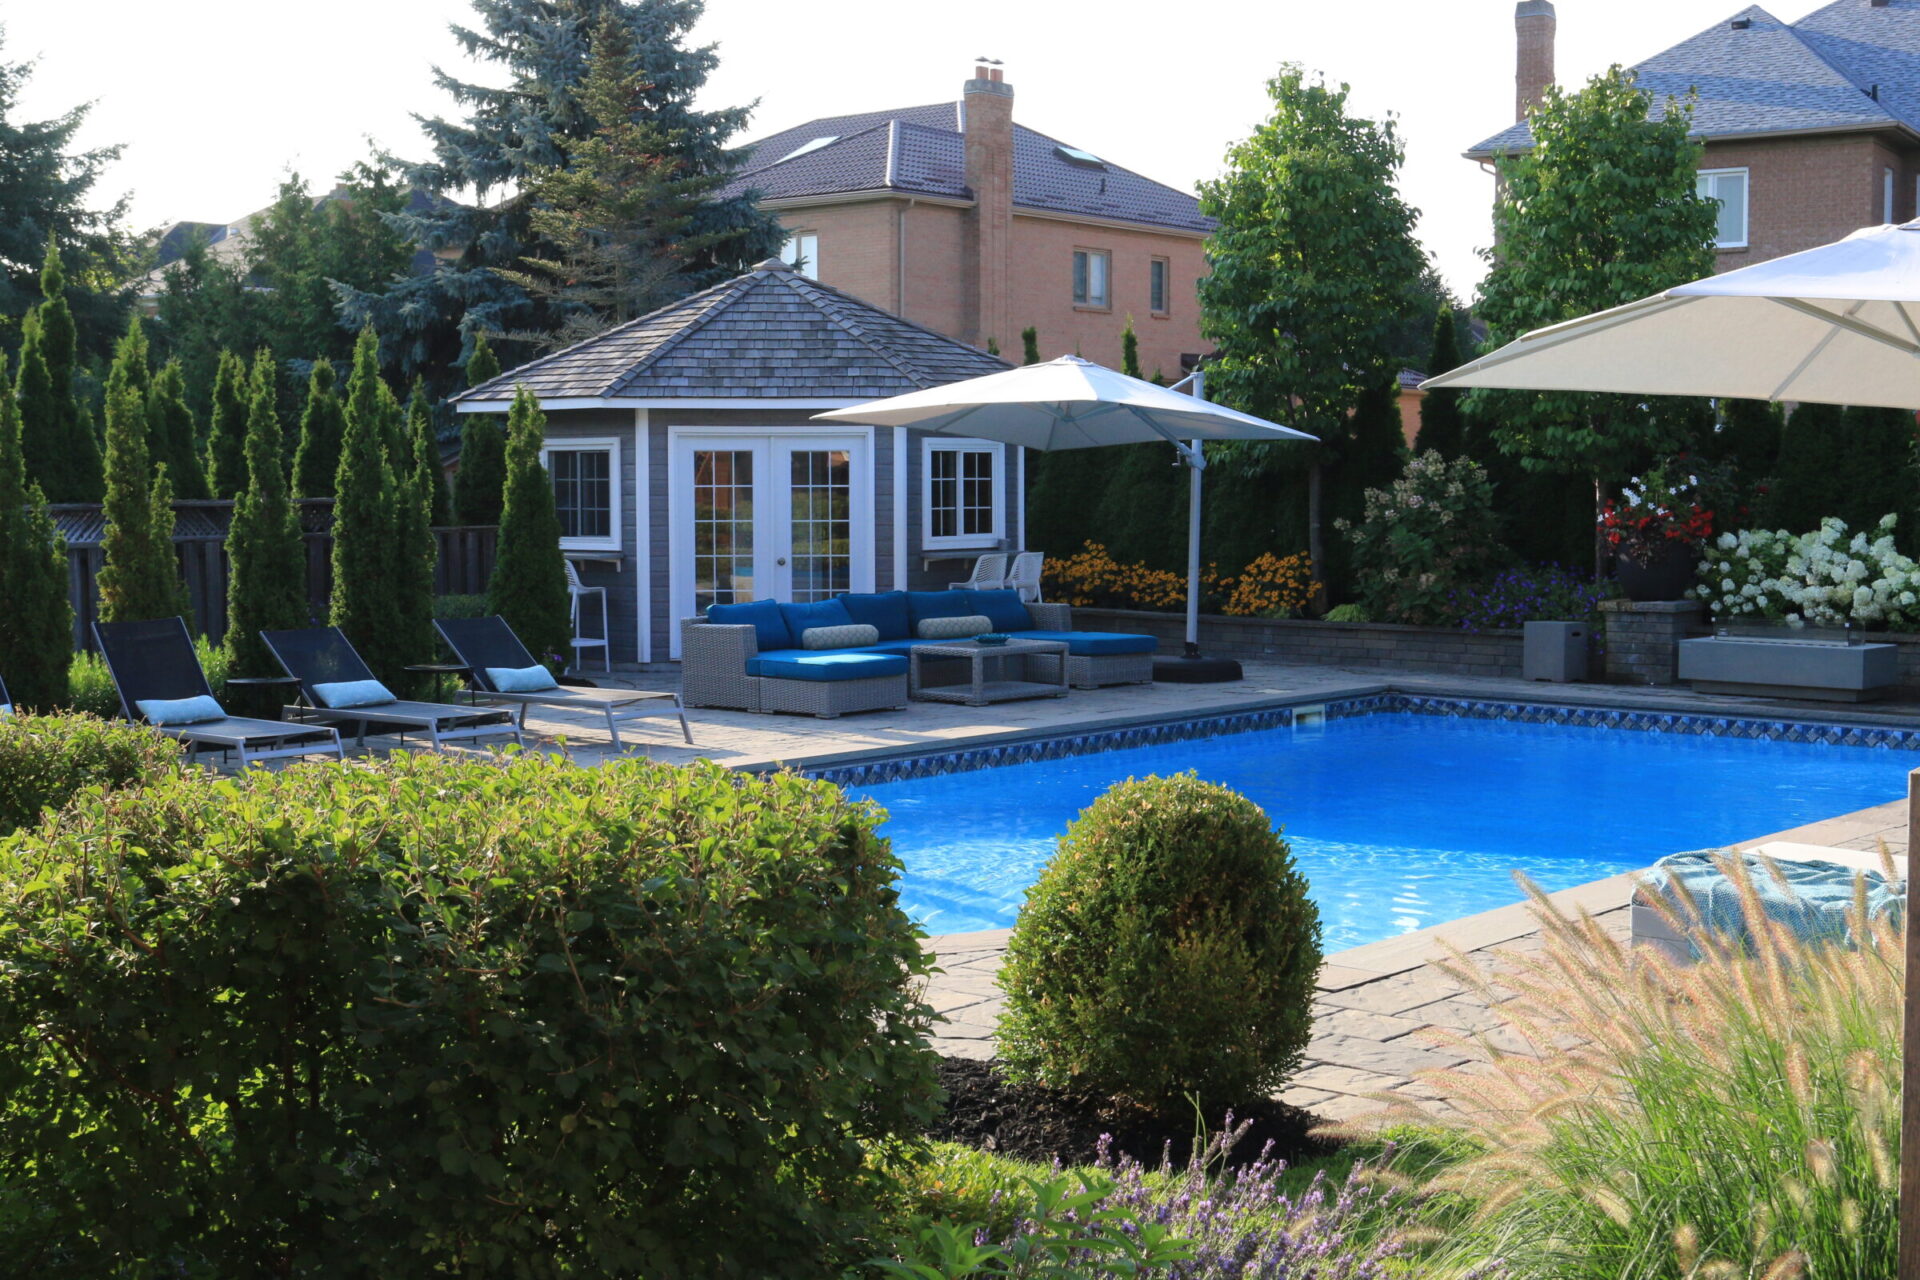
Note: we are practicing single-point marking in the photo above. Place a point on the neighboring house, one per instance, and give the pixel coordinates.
(687, 471)
(955, 217)
(1811, 128)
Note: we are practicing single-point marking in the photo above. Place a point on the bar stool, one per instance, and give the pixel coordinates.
(576, 591)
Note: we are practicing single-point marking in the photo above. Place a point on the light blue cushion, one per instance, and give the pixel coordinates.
(197, 710)
(1096, 644)
(831, 664)
(939, 604)
(342, 694)
(802, 618)
(770, 628)
(1003, 609)
(884, 611)
(520, 679)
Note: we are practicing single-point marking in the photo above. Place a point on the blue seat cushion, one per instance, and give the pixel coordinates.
(1096, 644)
(801, 618)
(825, 664)
(901, 647)
(770, 628)
(940, 604)
(884, 611)
(1004, 609)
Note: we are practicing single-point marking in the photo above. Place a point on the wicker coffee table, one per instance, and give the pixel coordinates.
(1046, 659)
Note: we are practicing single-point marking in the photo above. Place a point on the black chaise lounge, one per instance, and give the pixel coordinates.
(6, 699)
(153, 665)
(321, 658)
(487, 645)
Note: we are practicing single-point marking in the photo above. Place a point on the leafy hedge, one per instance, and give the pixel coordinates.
(46, 760)
(449, 1016)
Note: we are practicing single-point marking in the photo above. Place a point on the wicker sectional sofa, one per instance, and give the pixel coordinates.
(767, 656)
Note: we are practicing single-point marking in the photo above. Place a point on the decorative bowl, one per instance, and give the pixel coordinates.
(992, 637)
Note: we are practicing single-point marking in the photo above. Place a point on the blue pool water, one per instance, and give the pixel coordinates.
(1399, 821)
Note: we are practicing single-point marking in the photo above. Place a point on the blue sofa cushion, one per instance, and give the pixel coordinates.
(770, 628)
(825, 664)
(884, 611)
(1096, 644)
(901, 647)
(1004, 609)
(940, 604)
(802, 618)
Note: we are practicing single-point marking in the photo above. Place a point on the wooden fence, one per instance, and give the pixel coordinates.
(463, 560)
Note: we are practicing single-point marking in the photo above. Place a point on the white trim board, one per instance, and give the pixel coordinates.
(747, 403)
(592, 444)
(643, 537)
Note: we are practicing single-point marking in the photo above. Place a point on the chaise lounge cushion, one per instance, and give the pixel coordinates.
(817, 665)
(884, 611)
(802, 618)
(770, 628)
(1096, 644)
(939, 604)
(1003, 609)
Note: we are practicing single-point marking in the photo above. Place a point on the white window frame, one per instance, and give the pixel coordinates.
(1105, 302)
(610, 445)
(793, 253)
(1165, 268)
(1701, 180)
(962, 541)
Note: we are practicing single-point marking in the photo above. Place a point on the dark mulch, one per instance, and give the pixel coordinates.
(1030, 1122)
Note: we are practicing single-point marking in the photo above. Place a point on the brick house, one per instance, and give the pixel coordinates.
(1811, 129)
(955, 217)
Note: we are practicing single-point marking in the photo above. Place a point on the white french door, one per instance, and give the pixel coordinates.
(768, 514)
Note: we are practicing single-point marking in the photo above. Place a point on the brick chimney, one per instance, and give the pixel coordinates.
(1533, 24)
(987, 128)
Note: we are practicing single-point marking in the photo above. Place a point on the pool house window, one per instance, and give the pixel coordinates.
(963, 493)
(1729, 187)
(586, 493)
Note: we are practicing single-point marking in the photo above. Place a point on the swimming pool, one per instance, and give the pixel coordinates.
(1399, 820)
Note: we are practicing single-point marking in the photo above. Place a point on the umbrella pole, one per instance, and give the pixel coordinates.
(1910, 1059)
(1196, 464)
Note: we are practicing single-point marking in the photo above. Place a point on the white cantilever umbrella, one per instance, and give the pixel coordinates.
(1838, 324)
(1072, 403)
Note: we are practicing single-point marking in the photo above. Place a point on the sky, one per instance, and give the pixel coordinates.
(215, 104)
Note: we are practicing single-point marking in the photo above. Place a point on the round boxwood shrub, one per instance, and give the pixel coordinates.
(45, 760)
(1168, 951)
(448, 1016)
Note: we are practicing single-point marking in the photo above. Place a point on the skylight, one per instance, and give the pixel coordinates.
(805, 147)
(1074, 155)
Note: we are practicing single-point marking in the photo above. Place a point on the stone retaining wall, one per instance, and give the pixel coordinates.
(1445, 651)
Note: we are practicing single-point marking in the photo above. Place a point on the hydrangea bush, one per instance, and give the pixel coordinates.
(1424, 538)
(1824, 578)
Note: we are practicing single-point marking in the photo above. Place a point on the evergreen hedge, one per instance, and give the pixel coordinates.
(454, 1017)
(267, 575)
(36, 625)
(529, 583)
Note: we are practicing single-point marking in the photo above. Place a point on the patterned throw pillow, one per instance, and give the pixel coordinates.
(953, 628)
(851, 636)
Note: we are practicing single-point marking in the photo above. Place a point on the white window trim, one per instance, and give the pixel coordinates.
(1746, 206)
(591, 444)
(968, 541)
(1106, 303)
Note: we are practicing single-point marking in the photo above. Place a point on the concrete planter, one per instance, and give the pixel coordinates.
(1790, 668)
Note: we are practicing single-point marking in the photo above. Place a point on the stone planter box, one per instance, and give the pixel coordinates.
(1784, 668)
(1435, 650)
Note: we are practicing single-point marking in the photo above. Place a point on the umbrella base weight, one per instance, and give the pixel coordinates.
(1195, 670)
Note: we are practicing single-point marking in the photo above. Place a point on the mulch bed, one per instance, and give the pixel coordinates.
(1030, 1122)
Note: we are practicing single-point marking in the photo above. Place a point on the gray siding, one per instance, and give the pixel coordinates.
(621, 584)
(952, 566)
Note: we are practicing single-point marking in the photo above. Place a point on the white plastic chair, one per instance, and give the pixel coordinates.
(989, 574)
(1025, 577)
(576, 592)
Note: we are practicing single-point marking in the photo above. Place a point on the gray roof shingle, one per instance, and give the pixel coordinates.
(1778, 77)
(771, 334)
(919, 151)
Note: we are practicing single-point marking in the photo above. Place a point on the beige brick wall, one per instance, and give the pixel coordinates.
(1810, 191)
(1041, 294)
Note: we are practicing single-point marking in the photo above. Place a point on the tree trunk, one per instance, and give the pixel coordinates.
(1316, 546)
(1599, 541)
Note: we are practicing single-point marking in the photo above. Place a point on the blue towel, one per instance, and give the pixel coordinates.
(1814, 904)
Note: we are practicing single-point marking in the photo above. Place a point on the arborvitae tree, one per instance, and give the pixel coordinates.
(317, 459)
(1442, 428)
(481, 481)
(1130, 350)
(1749, 439)
(266, 557)
(1375, 456)
(226, 467)
(363, 525)
(482, 364)
(131, 367)
(140, 576)
(1029, 345)
(1855, 463)
(529, 584)
(36, 626)
(1805, 480)
(60, 449)
(426, 457)
(414, 549)
(170, 431)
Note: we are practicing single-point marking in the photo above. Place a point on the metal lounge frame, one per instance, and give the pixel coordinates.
(322, 655)
(154, 659)
(481, 643)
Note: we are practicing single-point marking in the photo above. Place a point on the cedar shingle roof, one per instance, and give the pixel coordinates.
(1777, 77)
(771, 334)
(919, 151)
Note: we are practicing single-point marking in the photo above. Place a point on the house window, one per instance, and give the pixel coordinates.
(1157, 286)
(1729, 187)
(1091, 272)
(586, 493)
(1886, 194)
(963, 493)
(802, 253)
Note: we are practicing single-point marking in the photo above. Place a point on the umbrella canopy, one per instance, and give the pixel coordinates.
(1839, 324)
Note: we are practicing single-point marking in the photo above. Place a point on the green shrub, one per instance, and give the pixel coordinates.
(443, 1016)
(90, 685)
(46, 760)
(1169, 949)
(1424, 539)
(1348, 613)
(460, 606)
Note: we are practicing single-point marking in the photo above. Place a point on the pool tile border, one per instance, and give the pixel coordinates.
(902, 768)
